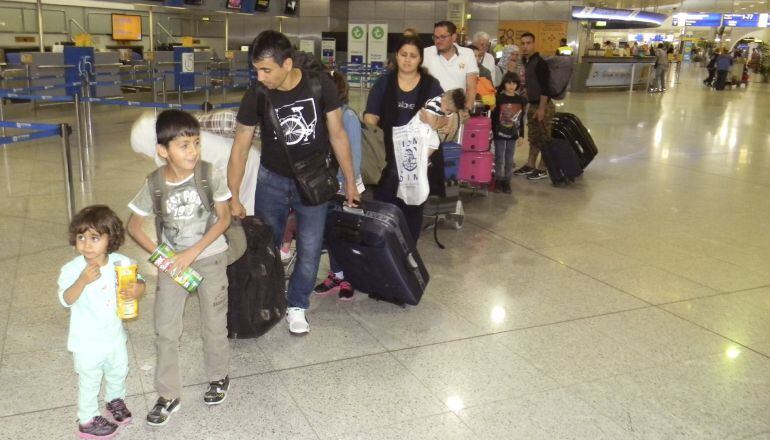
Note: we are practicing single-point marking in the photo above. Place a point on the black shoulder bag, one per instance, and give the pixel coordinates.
(316, 175)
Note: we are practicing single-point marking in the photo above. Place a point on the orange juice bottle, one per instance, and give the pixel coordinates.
(125, 272)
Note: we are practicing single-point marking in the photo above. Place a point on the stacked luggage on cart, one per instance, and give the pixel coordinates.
(471, 163)
(476, 159)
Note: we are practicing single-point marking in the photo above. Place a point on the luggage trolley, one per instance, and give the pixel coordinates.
(450, 207)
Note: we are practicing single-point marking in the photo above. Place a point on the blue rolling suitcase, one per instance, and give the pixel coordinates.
(375, 249)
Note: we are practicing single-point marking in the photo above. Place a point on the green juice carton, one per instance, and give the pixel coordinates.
(189, 279)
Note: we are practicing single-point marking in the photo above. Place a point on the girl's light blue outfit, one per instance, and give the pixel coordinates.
(97, 338)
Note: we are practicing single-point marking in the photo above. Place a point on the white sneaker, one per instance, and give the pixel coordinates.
(298, 325)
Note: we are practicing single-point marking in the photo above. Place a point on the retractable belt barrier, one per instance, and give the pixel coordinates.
(44, 131)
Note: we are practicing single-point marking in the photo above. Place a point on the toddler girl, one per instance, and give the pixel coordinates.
(97, 339)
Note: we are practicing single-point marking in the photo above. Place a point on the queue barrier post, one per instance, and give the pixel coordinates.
(67, 168)
(81, 150)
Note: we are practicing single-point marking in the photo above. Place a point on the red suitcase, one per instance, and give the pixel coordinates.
(477, 134)
(476, 167)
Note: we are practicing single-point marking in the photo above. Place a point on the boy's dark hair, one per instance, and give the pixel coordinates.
(173, 123)
(271, 44)
(450, 27)
(342, 86)
(101, 219)
(528, 34)
(458, 98)
(509, 77)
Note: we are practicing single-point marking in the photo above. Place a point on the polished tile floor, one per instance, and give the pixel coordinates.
(634, 304)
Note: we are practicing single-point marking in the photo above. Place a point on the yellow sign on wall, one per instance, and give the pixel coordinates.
(83, 40)
(547, 34)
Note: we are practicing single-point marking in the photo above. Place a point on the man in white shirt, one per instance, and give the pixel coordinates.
(481, 40)
(453, 66)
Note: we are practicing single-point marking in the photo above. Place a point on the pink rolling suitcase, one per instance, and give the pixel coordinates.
(477, 133)
(476, 167)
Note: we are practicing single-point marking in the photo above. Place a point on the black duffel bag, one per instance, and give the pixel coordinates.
(256, 292)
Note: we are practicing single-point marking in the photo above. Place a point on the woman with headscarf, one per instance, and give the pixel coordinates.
(511, 62)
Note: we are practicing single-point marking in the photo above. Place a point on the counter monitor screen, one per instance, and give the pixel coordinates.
(262, 5)
(126, 27)
(291, 7)
(234, 4)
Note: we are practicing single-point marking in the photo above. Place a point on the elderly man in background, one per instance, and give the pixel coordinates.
(481, 41)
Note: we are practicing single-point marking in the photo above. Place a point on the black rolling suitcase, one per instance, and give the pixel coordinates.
(569, 127)
(376, 251)
(561, 161)
(256, 292)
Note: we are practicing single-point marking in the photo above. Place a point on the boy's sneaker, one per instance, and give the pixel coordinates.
(119, 412)
(329, 286)
(537, 175)
(498, 186)
(298, 324)
(507, 187)
(217, 392)
(523, 171)
(98, 427)
(162, 411)
(346, 291)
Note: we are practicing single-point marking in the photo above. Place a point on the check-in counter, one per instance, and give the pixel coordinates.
(612, 73)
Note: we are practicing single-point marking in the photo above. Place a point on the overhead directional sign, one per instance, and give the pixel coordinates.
(745, 20)
(700, 19)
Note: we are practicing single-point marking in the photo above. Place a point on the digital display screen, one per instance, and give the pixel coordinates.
(608, 14)
(262, 5)
(234, 4)
(745, 20)
(126, 27)
(291, 7)
(704, 19)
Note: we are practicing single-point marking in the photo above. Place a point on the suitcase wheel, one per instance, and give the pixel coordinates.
(457, 220)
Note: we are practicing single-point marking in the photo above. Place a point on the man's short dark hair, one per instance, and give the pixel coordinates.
(271, 44)
(450, 27)
(472, 47)
(173, 123)
(528, 34)
(101, 219)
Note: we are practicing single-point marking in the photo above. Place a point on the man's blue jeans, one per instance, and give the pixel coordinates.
(275, 195)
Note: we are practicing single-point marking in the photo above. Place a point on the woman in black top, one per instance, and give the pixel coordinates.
(395, 98)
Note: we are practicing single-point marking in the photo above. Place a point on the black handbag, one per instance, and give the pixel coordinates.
(316, 175)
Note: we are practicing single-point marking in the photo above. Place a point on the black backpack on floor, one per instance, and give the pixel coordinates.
(256, 294)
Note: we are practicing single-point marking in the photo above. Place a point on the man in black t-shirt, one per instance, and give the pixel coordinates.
(310, 122)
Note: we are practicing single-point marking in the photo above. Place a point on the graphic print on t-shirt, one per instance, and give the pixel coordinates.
(186, 218)
(298, 121)
(509, 115)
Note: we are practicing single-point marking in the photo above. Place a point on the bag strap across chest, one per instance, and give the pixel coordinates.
(156, 182)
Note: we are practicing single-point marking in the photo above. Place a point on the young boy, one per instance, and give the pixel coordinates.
(194, 231)
(507, 120)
